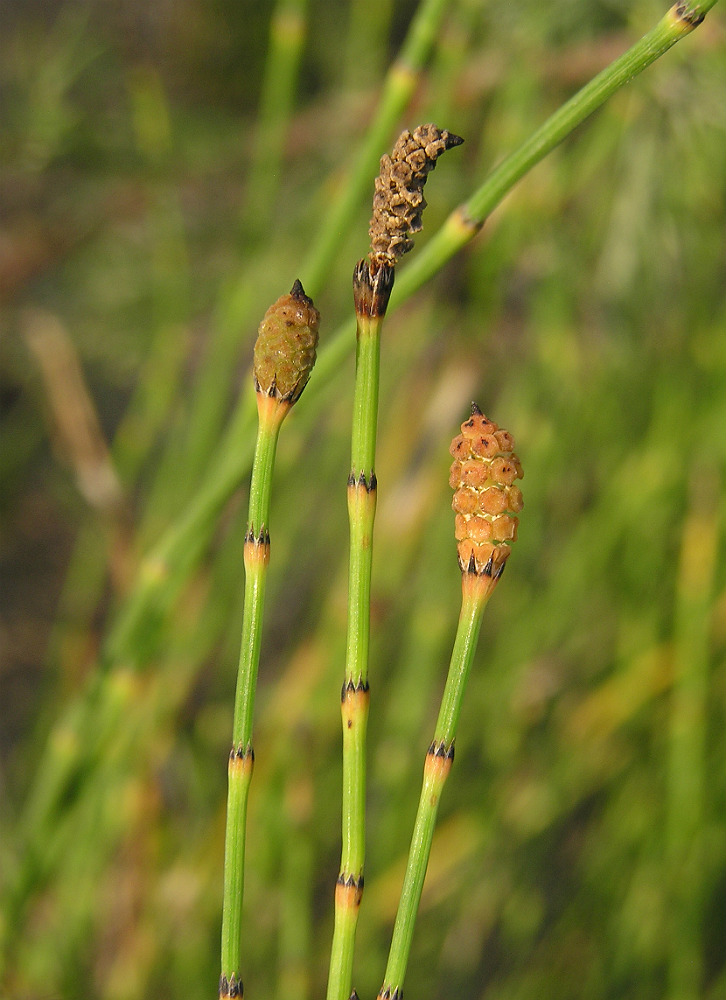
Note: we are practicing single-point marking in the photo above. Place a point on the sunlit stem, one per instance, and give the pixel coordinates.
(271, 413)
(372, 287)
(476, 590)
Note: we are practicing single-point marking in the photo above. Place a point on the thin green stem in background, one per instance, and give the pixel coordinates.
(272, 412)
(160, 376)
(366, 42)
(288, 30)
(687, 796)
(476, 591)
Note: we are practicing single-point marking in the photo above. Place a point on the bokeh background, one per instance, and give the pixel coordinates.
(168, 169)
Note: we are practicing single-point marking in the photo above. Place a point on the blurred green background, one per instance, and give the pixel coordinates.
(165, 170)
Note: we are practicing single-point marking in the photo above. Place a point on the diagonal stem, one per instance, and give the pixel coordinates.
(476, 590)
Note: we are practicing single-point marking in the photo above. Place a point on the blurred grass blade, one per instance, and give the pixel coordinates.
(288, 31)
(687, 801)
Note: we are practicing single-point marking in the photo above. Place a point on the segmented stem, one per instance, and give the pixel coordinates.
(476, 589)
(272, 411)
(487, 502)
(372, 286)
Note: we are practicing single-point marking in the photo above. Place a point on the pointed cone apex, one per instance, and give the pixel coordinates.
(298, 292)
(453, 140)
(287, 340)
(486, 499)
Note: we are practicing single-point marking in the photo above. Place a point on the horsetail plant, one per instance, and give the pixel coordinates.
(283, 359)
(164, 570)
(486, 502)
(398, 205)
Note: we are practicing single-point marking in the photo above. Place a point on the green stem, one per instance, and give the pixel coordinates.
(475, 594)
(288, 29)
(687, 795)
(371, 296)
(365, 398)
(256, 555)
(349, 886)
(366, 45)
(164, 569)
(239, 779)
(241, 760)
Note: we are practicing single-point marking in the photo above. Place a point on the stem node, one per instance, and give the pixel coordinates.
(372, 286)
(390, 993)
(348, 891)
(687, 15)
(230, 988)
